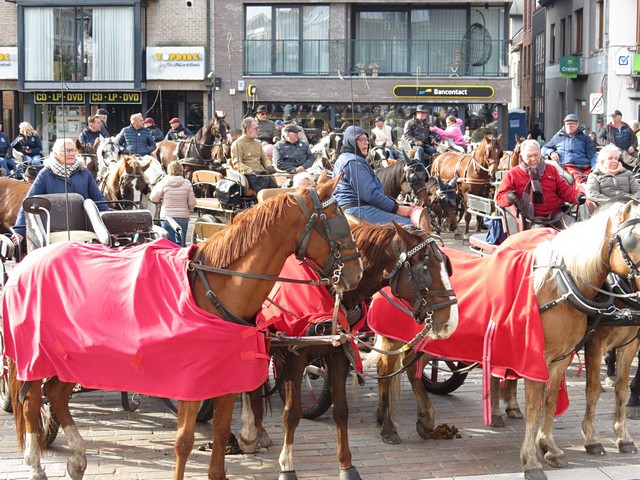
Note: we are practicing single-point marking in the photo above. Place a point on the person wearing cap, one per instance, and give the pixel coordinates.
(572, 149)
(266, 127)
(537, 189)
(249, 158)
(359, 192)
(135, 139)
(92, 132)
(103, 115)
(417, 133)
(150, 125)
(288, 120)
(177, 130)
(621, 135)
(290, 154)
(277, 132)
(382, 136)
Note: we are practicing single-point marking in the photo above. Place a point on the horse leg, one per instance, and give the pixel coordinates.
(59, 394)
(625, 357)
(633, 405)
(509, 395)
(187, 413)
(257, 405)
(222, 415)
(594, 350)
(248, 433)
(292, 413)
(426, 413)
(534, 393)
(496, 414)
(388, 389)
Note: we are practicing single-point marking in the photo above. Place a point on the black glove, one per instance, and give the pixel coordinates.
(581, 198)
(513, 197)
(271, 169)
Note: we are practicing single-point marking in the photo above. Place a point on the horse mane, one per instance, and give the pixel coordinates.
(372, 241)
(246, 230)
(389, 174)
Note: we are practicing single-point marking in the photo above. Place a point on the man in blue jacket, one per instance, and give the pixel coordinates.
(136, 139)
(572, 149)
(359, 191)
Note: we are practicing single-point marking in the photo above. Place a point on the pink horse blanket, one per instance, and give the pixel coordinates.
(124, 320)
(499, 324)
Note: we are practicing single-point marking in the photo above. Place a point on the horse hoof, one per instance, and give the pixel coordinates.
(514, 412)
(595, 449)
(264, 441)
(290, 475)
(391, 438)
(556, 461)
(627, 447)
(497, 421)
(424, 432)
(349, 474)
(633, 413)
(537, 474)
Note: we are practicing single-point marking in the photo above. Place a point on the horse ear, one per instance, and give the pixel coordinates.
(326, 189)
(626, 212)
(424, 221)
(403, 234)
(323, 178)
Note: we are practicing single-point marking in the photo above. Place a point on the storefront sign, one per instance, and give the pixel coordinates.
(569, 66)
(58, 97)
(8, 63)
(442, 91)
(115, 97)
(175, 63)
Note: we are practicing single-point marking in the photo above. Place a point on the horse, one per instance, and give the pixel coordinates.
(587, 251)
(107, 153)
(473, 172)
(329, 148)
(87, 151)
(232, 274)
(442, 201)
(126, 180)
(390, 254)
(12, 194)
(510, 159)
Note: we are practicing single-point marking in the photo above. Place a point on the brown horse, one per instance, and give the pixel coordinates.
(126, 180)
(87, 152)
(511, 158)
(473, 172)
(239, 265)
(12, 194)
(587, 251)
(389, 254)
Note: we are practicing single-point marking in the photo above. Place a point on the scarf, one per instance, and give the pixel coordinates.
(533, 191)
(64, 171)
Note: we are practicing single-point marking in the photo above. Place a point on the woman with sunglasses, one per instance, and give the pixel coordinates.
(359, 191)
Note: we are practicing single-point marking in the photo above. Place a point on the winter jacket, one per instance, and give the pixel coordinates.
(136, 142)
(247, 155)
(47, 182)
(416, 131)
(622, 137)
(266, 130)
(87, 136)
(156, 133)
(176, 194)
(577, 149)
(555, 190)
(172, 134)
(33, 142)
(453, 132)
(289, 156)
(601, 185)
(5, 150)
(358, 183)
(382, 137)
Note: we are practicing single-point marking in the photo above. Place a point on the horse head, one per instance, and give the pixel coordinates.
(128, 178)
(510, 159)
(87, 152)
(489, 153)
(377, 157)
(442, 200)
(107, 154)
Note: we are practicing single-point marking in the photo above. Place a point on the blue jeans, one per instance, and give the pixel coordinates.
(173, 236)
(419, 155)
(10, 165)
(372, 214)
(33, 159)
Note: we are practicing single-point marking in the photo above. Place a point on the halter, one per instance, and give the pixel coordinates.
(420, 279)
(626, 242)
(128, 178)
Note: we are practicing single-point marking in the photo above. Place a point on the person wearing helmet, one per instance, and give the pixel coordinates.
(359, 192)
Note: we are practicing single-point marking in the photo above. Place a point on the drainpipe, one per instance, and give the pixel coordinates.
(207, 62)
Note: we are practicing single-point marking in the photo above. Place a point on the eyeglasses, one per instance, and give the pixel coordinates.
(70, 150)
(362, 140)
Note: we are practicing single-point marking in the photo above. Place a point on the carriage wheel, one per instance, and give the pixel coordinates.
(315, 391)
(205, 412)
(442, 377)
(5, 394)
(50, 423)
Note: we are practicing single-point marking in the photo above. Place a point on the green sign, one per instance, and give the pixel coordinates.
(58, 97)
(636, 63)
(443, 91)
(569, 66)
(115, 97)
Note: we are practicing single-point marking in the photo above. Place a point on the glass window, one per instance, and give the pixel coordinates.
(79, 44)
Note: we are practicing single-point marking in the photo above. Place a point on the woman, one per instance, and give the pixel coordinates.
(178, 199)
(28, 142)
(609, 178)
(63, 172)
(359, 191)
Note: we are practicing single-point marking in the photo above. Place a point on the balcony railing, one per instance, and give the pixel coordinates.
(461, 57)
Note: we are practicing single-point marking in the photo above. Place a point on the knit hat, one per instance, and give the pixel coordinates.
(148, 120)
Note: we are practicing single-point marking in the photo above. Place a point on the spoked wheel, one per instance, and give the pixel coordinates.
(205, 412)
(443, 376)
(50, 423)
(316, 394)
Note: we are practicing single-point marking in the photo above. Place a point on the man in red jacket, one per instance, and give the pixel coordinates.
(537, 189)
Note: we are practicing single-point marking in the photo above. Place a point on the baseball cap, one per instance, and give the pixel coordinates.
(616, 113)
(379, 119)
(148, 120)
(421, 108)
(278, 122)
(102, 111)
(175, 120)
(292, 128)
(572, 117)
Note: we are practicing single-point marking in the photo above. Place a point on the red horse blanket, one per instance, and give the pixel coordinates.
(499, 325)
(124, 320)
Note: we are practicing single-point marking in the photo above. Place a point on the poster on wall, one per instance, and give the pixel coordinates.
(175, 63)
(8, 63)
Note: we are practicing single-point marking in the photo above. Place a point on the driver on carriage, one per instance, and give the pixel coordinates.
(359, 192)
(572, 149)
(290, 154)
(135, 139)
(382, 136)
(417, 132)
(537, 190)
(248, 157)
(177, 130)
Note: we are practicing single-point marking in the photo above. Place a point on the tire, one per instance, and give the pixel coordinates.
(50, 423)
(316, 394)
(205, 412)
(5, 394)
(441, 381)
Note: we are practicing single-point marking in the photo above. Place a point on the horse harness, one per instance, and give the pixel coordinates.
(335, 230)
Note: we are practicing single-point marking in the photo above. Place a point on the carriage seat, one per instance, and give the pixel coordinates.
(563, 173)
(204, 182)
(267, 193)
(55, 218)
(239, 178)
(484, 208)
(122, 227)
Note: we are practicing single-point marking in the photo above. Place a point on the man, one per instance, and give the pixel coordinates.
(277, 133)
(266, 127)
(572, 149)
(416, 132)
(538, 189)
(290, 154)
(622, 136)
(382, 136)
(177, 131)
(288, 120)
(156, 133)
(92, 132)
(103, 115)
(136, 139)
(248, 157)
